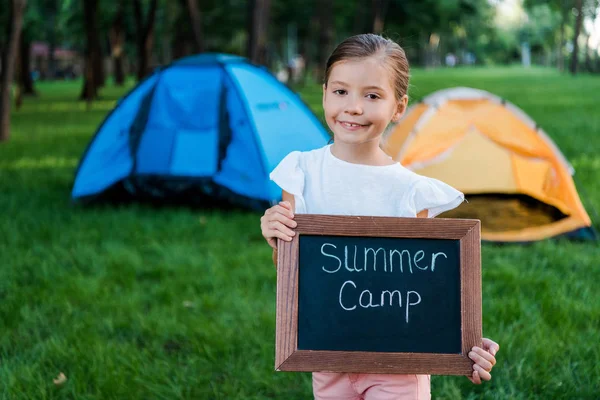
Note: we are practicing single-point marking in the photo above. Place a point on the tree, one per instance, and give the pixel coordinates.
(145, 35)
(325, 36)
(117, 44)
(563, 7)
(379, 10)
(93, 71)
(540, 30)
(591, 66)
(196, 22)
(23, 77)
(258, 22)
(434, 22)
(578, 22)
(42, 21)
(181, 42)
(13, 29)
(34, 26)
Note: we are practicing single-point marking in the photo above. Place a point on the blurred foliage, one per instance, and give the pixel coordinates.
(426, 28)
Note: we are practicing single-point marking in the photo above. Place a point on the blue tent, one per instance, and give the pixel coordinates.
(206, 129)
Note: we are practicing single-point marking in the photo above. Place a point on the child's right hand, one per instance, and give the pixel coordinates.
(276, 223)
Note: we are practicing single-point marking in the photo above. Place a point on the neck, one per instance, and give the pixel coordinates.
(368, 153)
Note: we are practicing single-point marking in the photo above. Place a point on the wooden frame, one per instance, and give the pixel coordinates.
(289, 358)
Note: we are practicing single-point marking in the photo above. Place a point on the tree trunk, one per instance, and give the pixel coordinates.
(578, 21)
(358, 22)
(117, 44)
(145, 37)
(181, 44)
(196, 21)
(587, 63)
(25, 80)
(560, 57)
(308, 46)
(13, 31)
(593, 65)
(93, 57)
(50, 71)
(258, 20)
(325, 36)
(379, 10)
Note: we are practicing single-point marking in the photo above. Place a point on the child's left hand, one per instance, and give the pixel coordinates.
(484, 360)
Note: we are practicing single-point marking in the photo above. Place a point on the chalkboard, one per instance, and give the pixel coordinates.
(379, 294)
(376, 294)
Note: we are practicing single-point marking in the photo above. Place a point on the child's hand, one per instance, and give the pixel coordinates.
(276, 223)
(484, 360)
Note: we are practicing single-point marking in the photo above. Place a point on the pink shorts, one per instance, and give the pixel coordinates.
(336, 386)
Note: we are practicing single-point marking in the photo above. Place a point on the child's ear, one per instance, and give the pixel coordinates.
(400, 109)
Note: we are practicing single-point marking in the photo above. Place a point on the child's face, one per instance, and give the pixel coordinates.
(359, 101)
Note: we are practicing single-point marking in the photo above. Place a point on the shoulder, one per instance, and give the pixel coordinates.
(313, 155)
(432, 194)
(403, 175)
(304, 157)
(307, 161)
(295, 166)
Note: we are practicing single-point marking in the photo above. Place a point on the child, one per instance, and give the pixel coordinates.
(366, 83)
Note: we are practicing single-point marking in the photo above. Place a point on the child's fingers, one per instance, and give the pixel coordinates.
(272, 242)
(483, 355)
(284, 219)
(482, 362)
(280, 210)
(483, 374)
(490, 346)
(286, 204)
(278, 230)
(280, 227)
(475, 378)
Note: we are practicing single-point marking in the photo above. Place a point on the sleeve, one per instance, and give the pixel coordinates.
(433, 195)
(289, 176)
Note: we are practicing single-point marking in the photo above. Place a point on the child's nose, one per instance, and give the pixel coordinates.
(354, 107)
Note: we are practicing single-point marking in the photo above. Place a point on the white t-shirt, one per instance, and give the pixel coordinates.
(324, 184)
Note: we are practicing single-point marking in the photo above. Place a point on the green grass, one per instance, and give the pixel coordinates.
(163, 303)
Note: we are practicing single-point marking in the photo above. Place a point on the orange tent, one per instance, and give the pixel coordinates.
(516, 181)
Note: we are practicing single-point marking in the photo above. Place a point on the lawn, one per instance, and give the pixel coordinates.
(165, 303)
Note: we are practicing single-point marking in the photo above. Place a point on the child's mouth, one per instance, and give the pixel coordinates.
(351, 125)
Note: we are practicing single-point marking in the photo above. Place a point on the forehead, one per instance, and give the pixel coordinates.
(362, 72)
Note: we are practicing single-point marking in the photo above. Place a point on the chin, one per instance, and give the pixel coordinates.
(351, 141)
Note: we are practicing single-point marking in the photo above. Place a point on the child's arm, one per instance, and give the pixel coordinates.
(277, 221)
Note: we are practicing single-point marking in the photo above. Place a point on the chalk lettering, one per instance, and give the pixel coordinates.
(341, 290)
(372, 256)
(332, 256)
(391, 296)
(375, 252)
(346, 259)
(365, 300)
(370, 305)
(408, 303)
(433, 257)
(420, 253)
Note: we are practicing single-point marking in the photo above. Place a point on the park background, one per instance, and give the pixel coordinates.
(141, 302)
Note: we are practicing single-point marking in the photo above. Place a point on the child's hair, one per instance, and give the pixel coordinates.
(371, 45)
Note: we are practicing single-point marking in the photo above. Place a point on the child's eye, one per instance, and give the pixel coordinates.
(373, 96)
(340, 91)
